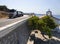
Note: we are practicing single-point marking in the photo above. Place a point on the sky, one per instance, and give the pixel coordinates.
(36, 6)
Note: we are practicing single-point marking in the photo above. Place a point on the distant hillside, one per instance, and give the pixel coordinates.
(3, 11)
(4, 8)
(6, 12)
(3, 14)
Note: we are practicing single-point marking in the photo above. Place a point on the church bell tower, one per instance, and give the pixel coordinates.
(49, 13)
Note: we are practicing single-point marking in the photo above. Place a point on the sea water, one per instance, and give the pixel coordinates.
(57, 16)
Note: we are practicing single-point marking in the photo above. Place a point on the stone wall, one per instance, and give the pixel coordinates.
(17, 36)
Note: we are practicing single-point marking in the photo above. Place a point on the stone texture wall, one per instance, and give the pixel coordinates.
(10, 38)
(17, 36)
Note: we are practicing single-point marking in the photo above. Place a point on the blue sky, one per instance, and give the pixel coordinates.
(36, 6)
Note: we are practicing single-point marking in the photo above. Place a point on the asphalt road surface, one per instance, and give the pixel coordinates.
(4, 22)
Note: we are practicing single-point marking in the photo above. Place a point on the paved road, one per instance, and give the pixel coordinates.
(4, 22)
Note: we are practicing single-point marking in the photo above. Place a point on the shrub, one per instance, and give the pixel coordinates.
(41, 24)
(45, 24)
(32, 22)
(47, 30)
(49, 21)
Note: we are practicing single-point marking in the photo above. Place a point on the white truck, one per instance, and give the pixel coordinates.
(14, 14)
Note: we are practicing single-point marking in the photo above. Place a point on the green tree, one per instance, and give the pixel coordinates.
(49, 22)
(41, 24)
(47, 30)
(33, 22)
(44, 24)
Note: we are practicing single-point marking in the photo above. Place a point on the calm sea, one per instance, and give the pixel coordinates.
(57, 16)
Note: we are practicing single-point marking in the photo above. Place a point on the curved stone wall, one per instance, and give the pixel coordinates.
(19, 35)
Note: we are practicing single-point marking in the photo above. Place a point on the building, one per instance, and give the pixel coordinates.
(49, 12)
